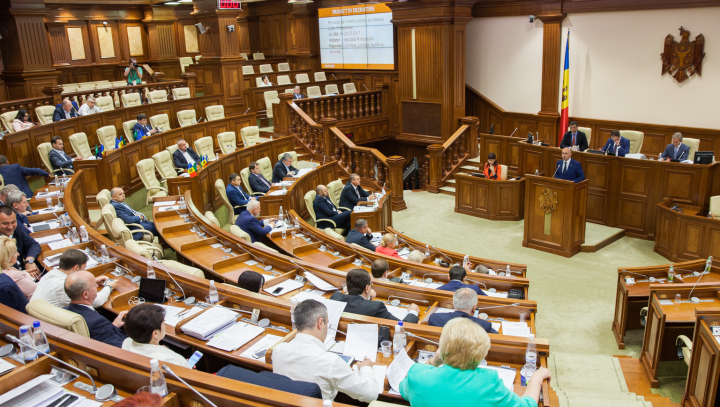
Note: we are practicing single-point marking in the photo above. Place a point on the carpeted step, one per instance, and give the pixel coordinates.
(448, 189)
(586, 373)
(474, 160)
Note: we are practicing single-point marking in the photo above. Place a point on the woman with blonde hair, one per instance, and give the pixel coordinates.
(416, 256)
(453, 377)
(387, 245)
(8, 258)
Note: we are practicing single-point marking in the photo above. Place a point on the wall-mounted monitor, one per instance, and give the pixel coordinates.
(356, 37)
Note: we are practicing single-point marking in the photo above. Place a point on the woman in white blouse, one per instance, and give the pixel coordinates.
(265, 81)
(145, 328)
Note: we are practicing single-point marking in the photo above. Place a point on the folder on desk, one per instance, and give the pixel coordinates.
(235, 337)
(212, 321)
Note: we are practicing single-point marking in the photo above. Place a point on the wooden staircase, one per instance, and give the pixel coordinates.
(469, 166)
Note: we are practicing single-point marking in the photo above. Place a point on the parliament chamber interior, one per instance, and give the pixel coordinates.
(316, 203)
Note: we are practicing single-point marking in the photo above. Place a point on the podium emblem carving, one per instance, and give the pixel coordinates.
(548, 201)
(686, 55)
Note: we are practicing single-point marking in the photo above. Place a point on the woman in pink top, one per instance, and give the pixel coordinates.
(387, 246)
(8, 258)
(22, 120)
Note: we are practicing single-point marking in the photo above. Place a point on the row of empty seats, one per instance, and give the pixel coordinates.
(299, 78)
(265, 68)
(82, 86)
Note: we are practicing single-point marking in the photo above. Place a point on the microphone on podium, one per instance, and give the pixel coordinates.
(513, 132)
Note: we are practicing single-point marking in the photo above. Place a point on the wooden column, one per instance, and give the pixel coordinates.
(191, 79)
(395, 179)
(435, 168)
(473, 140)
(281, 114)
(160, 22)
(552, 64)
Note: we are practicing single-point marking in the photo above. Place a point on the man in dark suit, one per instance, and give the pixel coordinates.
(184, 155)
(258, 183)
(236, 195)
(283, 168)
(142, 129)
(361, 299)
(248, 221)
(353, 193)
(677, 150)
(457, 280)
(297, 94)
(574, 138)
(361, 235)
(130, 215)
(464, 304)
(11, 295)
(325, 209)
(617, 145)
(28, 248)
(569, 169)
(15, 174)
(65, 111)
(58, 158)
(379, 271)
(18, 201)
(81, 288)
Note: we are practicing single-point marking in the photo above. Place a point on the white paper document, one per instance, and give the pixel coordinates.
(313, 294)
(334, 310)
(164, 203)
(169, 208)
(444, 311)
(276, 192)
(53, 261)
(379, 372)
(263, 344)
(283, 288)
(210, 322)
(506, 375)
(170, 311)
(5, 367)
(173, 320)
(398, 369)
(496, 295)
(398, 312)
(515, 329)
(35, 392)
(50, 239)
(666, 302)
(235, 337)
(362, 341)
(319, 282)
(302, 172)
(363, 209)
(495, 326)
(44, 195)
(60, 244)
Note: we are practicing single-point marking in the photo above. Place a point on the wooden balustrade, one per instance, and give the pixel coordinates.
(444, 159)
(344, 106)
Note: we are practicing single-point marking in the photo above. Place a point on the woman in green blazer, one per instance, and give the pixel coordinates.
(453, 378)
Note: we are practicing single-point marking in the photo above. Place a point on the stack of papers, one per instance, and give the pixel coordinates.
(418, 283)
(398, 369)
(209, 323)
(362, 341)
(515, 329)
(172, 318)
(277, 192)
(5, 367)
(60, 244)
(376, 237)
(303, 172)
(506, 374)
(398, 312)
(283, 288)
(363, 209)
(496, 294)
(235, 336)
(53, 261)
(164, 203)
(319, 282)
(311, 294)
(284, 183)
(167, 208)
(50, 239)
(44, 195)
(48, 224)
(444, 311)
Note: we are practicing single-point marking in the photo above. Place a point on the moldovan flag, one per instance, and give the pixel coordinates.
(564, 116)
(192, 170)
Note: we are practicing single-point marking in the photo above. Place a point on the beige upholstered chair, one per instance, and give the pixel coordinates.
(128, 129)
(694, 144)
(250, 135)
(118, 84)
(60, 317)
(146, 171)
(80, 146)
(271, 98)
(197, 58)
(160, 121)
(266, 68)
(171, 150)
(258, 82)
(302, 78)
(103, 85)
(105, 103)
(164, 164)
(289, 91)
(320, 77)
(107, 136)
(283, 80)
(686, 348)
(131, 99)
(44, 152)
(258, 55)
(588, 133)
(334, 191)
(331, 232)
(123, 234)
(7, 119)
(235, 230)
(44, 114)
(283, 67)
(245, 176)
(715, 206)
(309, 200)
(184, 62)
(313, 92)
(69, 87)
(86, 86)
(248, 70)
(211, 217)
(331, 89)
(244, 55)
(636, 139)
(220, 189)
(349, 88)
(216, 112)
(108, 215)
(204, 146)
(293, 154)
(157, 96)
(181, 93)
(193, 271)
(227, 141)
(103, 198)
(186, 118)
(148, 251)
(503, 171)
(266, 168)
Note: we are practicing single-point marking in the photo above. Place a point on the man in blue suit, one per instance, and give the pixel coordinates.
(353, 193)
(130, 215)
(81, 288)
(184, 155)
(325, 209)
(258, 183)
(464, 304)
(361, 235)
(65, 111)
(617, 145)
(248, 221)
(15, 174)
(457, 281)
(236, 195)
(11, 295)
(569, 169)
(283, 168)
(142, 129)
(28, 248)
(18, 201)
(677, 150)
(58, 158)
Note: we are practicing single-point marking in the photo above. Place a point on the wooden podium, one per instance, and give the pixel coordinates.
(554, 215)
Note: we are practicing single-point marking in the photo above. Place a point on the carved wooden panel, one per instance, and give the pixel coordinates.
(533, 161)
(664, 235)
(21, 149)
(706, 359)
(713, 242)
(132, 155)
(679, 184)
(635, 180)
(115, 164)
(90, 127)
(631, 214)
(421, 118)
(692, 238)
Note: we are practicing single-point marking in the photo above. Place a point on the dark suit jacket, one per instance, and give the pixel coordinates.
(237, 197)
(141, 130)
(683, 152)
(442, 319)
(11, 295)
(621, 151)
(271, 380)
(256, 183)
(324, 209)
(348, 198)
(15, 174)
(574, 172)
(58, 159)
(124, 213)
(455, 285)
(299, 95)
(279, 171)
(359, 239)
(22, 221)
(359, 305)
(100, 328)
(26, 246)
(580, 141)
(179, 158)
(252, 226)
(59, 114)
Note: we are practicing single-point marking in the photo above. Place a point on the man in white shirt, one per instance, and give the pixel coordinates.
(89, 107)
(50, 288)
(304, 358)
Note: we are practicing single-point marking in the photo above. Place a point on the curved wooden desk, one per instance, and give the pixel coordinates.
(688, 235)
(488, 198)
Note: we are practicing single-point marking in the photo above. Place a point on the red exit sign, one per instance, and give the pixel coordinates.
(228, 4)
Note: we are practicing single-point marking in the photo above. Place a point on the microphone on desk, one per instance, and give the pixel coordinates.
(266, 268)
(438, 250)
(485, 316)
(355, 250)
(412, 335)
(186, 300)
(336, 330)
(556, 170)
(407, 243)
(168, 370)
(395, 303)
(690, 297)
(513, 132)
(333, 75)
(365, 87)
(491, 290)
(303, 268)
(134, 279)
(651, 279)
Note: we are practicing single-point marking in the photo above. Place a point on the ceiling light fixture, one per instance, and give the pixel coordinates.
(172, 3)
(300, 1)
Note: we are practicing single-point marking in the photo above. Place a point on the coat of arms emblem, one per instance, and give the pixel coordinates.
(683, 59)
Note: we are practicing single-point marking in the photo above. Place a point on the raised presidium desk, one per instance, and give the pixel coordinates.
(488, 198)
(684, 233)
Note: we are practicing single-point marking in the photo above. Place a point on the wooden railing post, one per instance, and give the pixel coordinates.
(55, 92)
(435, 168)
(395, 165)
(281, 114)
(328, 138)
(473, 140)
(191, 79)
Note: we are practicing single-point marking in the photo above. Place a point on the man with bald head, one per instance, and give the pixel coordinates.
(130, 215)
(248, 221)
(326, 210)
(66, 110)
(569, 169)
(81, 288)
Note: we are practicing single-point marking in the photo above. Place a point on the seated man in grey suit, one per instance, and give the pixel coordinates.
(677, 150)
(57, 156)
(283, 168)
(257, 181)
(464, 304)
(361, 235)
(361, 299)
(81, 287)
(379, 271)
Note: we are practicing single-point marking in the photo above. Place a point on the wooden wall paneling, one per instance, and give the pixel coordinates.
(125, 43)
(59, 46)
(21, 148)
(552, 27)
(599, 174)
(94, 38)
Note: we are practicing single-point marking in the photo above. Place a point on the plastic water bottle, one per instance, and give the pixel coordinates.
(26, 352)
(213, 293)
(49, 202)
(66, 219)
(284, 190)
(327, 403)
(427, 251)
(150, 270)
(399, 338)
(530, 361)
(104, 256)
(157, 379)
(284, 231)
(708, 264)
(182, 202)
(537, 172)
(293, 303)
(507, 270)
(39, 338)
(83, 234)
(75, 236)
(57, 181)
(280, 216)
